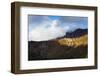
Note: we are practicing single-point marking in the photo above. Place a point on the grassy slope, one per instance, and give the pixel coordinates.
(75, 42)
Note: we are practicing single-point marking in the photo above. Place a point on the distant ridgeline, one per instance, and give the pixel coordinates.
(77, 33)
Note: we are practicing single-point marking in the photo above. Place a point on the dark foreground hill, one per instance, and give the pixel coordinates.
(52, 50)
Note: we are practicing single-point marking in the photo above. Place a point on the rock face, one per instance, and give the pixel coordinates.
(77, 33)
(68, 47)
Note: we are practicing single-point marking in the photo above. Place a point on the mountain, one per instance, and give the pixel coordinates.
(77, 33)
(73, 45)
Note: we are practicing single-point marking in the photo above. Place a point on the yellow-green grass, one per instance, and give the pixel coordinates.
(75, 42)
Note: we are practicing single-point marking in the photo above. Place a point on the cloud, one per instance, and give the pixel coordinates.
(42, 28)
(51, 31)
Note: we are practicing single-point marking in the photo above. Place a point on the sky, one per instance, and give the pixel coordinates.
(43, 28)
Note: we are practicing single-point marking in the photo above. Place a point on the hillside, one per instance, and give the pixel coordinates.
(71, 47)
(74, 42)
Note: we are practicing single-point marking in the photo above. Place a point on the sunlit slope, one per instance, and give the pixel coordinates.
(74, 42)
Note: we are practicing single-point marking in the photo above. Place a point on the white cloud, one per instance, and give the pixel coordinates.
(47, 31)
